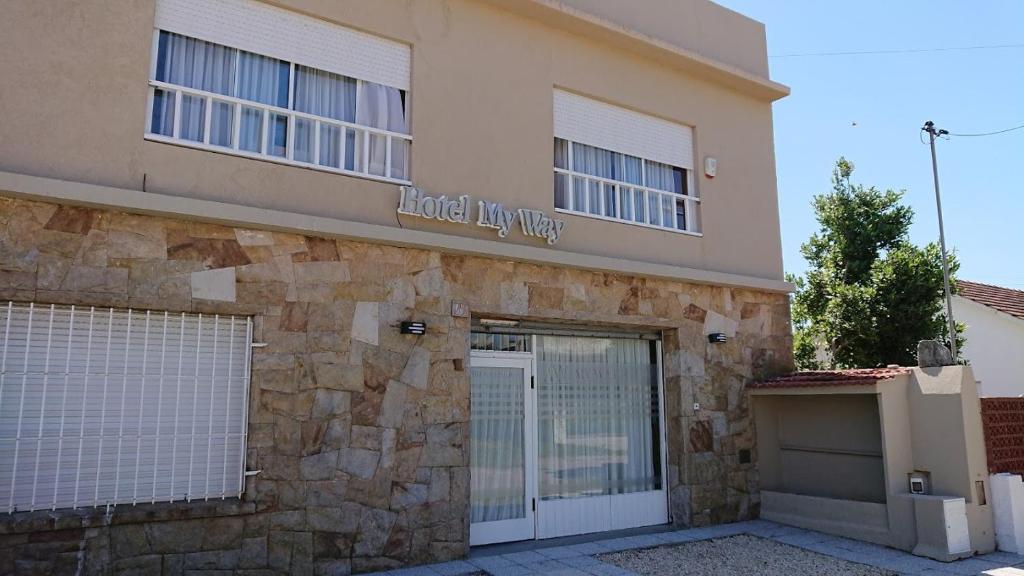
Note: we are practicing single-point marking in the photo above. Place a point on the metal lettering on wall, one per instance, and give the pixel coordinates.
(413, 202)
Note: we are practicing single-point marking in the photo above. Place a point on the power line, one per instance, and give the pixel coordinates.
(899, 51)
(989, 133)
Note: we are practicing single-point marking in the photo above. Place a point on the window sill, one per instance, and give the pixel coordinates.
(628, 223)
(272, 159)
(76, 518)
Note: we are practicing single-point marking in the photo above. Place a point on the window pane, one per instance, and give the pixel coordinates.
(667, 212)
(351, 149)
(681, 214)
(193, 117)
(250, 137)
(579, 194)
(665, 177)
(632, 170)
(162, 121)
(654, 208)
(594, 191)
(263, 79)
(561, 190)
(305, 131)
(195, 63)
(594, 161)
(222, 123)
(278, 135)
(561, 153)
(610, 200)
(597, 417)
(639, 206)
(377, 152)
(382, 107)
(325, 94)
(399, 158)
(330, 145)
(626, 203)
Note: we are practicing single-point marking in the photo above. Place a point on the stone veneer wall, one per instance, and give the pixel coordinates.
(359, 432)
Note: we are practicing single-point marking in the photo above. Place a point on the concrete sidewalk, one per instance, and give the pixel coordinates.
(579, 559)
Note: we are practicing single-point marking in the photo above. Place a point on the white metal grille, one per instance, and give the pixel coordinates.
(102, 406)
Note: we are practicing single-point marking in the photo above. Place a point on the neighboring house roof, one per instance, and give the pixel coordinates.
(816, 379)
(1006, 300)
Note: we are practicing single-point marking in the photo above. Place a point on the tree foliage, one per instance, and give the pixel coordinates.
(869, 294)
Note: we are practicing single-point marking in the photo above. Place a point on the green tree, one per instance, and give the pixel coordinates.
(869, 294)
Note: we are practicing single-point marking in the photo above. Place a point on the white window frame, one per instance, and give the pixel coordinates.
(362, 133)
(691, 202)
(104, 382)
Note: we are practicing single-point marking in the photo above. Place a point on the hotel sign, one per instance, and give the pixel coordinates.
(413, 202)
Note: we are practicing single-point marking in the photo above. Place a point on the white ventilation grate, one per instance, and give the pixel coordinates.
(102, 406)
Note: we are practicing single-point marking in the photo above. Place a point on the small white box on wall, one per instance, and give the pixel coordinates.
(710, 166)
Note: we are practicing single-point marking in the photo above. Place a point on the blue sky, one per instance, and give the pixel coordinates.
(889, 97)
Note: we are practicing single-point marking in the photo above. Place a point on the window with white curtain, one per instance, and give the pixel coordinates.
(618, 164)
(106, 406)
(598, 416)
(211, 96)
(611, 185)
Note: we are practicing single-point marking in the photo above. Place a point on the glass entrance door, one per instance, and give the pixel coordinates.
(502, 463)
(599, 435)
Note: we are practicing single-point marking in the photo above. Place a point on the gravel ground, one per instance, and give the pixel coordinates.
(735, 555)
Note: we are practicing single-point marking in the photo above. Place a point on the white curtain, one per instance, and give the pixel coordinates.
(383, 107)
(597, 416)
(496, 458)
(194, 64)
(595, 162)
(332, 96)
(264, 80)
(665, 177)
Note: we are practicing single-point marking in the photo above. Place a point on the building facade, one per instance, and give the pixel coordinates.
(994, 316)
(332, 287)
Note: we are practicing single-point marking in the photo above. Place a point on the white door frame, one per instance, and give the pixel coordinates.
(517, 528)
(624, 510)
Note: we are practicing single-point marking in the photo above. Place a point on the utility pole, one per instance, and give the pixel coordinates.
(933, 133)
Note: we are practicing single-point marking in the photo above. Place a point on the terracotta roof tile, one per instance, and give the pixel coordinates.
(816, 379)
(1006, 300)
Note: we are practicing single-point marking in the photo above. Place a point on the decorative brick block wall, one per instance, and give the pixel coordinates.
(1003, 422)
(359, 432)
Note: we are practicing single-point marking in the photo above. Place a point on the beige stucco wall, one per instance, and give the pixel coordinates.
(929, 421)
(693, 25)
(948, 441)
(481, 110)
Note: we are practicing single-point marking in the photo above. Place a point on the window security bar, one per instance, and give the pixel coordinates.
(106, 406)
(284, 136)
(608, 199)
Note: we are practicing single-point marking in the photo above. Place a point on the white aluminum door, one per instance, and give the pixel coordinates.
(600, 435)
(502, 449)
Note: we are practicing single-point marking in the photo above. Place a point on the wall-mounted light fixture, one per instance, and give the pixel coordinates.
(717, 338)
(416, 328)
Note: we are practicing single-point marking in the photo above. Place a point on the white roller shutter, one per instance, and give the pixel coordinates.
(103, 406)
(271, 31)
(589, 121)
